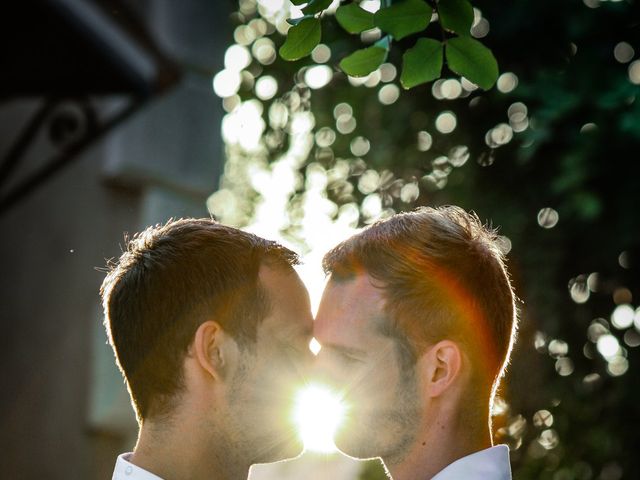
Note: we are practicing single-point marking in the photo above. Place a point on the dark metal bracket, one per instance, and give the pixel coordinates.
(71, 133)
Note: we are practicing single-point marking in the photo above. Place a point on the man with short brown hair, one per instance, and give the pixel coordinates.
(210, 327)
(416, 324)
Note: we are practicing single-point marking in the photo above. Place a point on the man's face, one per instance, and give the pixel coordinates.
(269, 371)
(380, 391)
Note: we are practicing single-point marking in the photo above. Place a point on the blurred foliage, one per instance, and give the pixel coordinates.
(550, 156)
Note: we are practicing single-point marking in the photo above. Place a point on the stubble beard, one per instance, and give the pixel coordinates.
(249, 422)
(387, 432)
(234, 429)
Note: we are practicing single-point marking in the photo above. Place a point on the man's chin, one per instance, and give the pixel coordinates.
(354, 445)
(286, 449)
(291, 448)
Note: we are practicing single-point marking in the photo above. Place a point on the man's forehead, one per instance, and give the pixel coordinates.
(349, 307)
(291, 308)
(362, 285)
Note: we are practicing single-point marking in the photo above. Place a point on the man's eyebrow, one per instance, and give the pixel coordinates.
(342, 349)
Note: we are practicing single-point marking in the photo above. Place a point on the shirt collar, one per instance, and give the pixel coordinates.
(125, 470)
(490, 464)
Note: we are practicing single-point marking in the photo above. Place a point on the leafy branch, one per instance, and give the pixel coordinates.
(422, 62)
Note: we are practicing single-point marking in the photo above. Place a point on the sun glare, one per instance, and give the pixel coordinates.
(315, 346)
(318, 413)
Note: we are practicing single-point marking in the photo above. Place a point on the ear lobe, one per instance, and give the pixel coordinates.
(207, 349)
(445, 360)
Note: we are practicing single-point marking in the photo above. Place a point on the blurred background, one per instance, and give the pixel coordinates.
(117, 114)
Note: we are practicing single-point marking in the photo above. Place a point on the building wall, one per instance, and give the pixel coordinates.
(64, 410)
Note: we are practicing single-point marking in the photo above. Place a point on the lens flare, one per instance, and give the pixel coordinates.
(318, 413)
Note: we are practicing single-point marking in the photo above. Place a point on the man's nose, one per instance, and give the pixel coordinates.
(324, 371)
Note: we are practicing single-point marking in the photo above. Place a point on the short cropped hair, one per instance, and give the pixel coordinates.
(443, 277)
(170, 279)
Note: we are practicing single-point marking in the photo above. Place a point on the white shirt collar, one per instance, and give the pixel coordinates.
(125, 470)
(490, 464)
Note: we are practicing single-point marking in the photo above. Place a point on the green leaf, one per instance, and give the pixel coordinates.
(403, 18)
(296, 21)
(299, 2)
(301, 39)
(421, 63)
(456, 16)
(354, 19)
(362, 62)
(316, 6)
(469, 58)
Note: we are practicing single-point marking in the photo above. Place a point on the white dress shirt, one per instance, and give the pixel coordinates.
(490, 464)
(125, 470)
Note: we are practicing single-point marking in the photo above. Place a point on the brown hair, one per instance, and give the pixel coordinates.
(443, 276)
(170, 279)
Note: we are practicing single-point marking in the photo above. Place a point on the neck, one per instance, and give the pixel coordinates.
(183, 448)
(440, 443)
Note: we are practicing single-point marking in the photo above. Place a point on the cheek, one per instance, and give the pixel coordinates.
(380, 386)
(277, 375)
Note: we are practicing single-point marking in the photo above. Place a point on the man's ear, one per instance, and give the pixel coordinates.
(210, 349)
(444, 365)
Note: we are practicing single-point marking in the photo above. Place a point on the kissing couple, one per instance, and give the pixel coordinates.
(211, 325)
